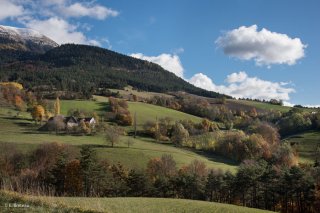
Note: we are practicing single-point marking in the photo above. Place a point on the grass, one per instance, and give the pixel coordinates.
(145, 112)
(127, 92)
(261, 106)
(84, 105)
(306, 143)
(124, 205)
(23, 133)
(144, 149)
(265, 106)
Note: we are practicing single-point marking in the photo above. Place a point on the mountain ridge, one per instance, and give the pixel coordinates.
(24, 39)
(80, 68)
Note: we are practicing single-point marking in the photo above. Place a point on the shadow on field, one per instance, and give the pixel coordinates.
(35, 133)
(215, 157)
(24, 124)
(105, 146)
(18, 119)
(104, 106)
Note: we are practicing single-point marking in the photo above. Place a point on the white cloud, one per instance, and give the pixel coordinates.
(56, 18)
(94, 11)
(288, 104)
(54, 2)
(236, 77)
(203, 81)
(178, 51)
(312, 106)
(170, 62)
(9, 10)
(240, 85)
(60, 31)
(264, 47)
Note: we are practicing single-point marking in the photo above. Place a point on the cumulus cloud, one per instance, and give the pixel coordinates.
(170, 62)
(240, 85)
(203, 81)
(60, 31)
(94, 11)
(56, 18)
(264, 47)
(236, 77)
(9, 9)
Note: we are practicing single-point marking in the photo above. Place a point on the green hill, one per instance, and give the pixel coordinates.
(87, 69)
(123, 205)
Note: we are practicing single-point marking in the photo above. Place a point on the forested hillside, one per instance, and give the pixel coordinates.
(86, 69)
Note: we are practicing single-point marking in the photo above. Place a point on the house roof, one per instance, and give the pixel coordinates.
(57, 116)
(88, 119)
(71, 119)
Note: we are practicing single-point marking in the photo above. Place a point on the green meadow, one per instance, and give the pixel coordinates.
(22, 131)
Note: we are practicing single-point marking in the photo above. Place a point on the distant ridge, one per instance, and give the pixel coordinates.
(24, 39)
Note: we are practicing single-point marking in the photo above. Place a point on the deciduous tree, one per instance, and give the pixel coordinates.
(38, 113)
(57, 106)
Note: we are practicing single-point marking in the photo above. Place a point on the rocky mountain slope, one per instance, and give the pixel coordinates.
(23, 39)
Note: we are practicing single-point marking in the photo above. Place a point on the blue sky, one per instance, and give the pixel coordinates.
(258, 49)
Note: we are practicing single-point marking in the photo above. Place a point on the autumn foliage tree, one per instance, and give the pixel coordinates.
(120, 110)
(57, 106)
(38, 113)
(179, 134)
(19, 103)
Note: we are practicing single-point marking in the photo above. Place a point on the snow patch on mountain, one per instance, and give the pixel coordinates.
(27, 37)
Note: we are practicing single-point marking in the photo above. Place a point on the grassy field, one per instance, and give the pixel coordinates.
(127, 92)
(264, 106)
(123, 205)
(23, 132)
(145, 112)
(260, 105)
(307, 143)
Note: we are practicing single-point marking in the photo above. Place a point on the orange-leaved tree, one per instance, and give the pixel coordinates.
(38, 113)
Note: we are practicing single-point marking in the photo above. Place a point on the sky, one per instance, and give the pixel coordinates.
(264, 49)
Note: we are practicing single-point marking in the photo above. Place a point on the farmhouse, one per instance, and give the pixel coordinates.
(71, 122)
(74, 122)
(60, 122)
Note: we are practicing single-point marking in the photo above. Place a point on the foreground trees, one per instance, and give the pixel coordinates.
(56, 169)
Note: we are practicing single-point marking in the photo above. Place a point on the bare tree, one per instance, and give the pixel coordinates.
(112, 135)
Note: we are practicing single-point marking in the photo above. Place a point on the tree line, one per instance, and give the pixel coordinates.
(294, 121)
(61, 170)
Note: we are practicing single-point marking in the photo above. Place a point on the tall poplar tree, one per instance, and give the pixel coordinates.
(57, 106)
